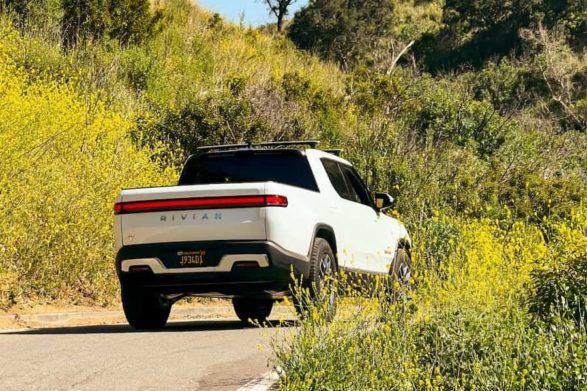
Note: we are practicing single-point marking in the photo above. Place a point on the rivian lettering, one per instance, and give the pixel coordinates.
(190, 216)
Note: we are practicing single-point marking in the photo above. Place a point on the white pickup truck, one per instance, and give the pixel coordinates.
(242, 221)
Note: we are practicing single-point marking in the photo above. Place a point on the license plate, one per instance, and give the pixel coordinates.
(191, 258)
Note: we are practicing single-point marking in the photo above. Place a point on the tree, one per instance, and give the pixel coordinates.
(279, 8)
(347, 31)
(21, 8)
(565, 75)
(128, 21)
(131, 20)
(84, 20)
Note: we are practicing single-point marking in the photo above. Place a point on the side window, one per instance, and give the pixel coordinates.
(346, 182)
(336, 178)
(357, 186)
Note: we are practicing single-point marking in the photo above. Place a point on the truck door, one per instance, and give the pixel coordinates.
(357, 219)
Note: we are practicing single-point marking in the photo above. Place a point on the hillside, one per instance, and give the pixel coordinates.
(488, 165)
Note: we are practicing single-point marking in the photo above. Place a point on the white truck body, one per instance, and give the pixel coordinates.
(365, 238)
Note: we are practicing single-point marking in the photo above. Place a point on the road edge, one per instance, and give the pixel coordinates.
(264, 382)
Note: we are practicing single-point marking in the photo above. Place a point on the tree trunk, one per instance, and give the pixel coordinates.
(280, 23)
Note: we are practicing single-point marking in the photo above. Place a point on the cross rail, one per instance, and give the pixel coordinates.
(273, 144)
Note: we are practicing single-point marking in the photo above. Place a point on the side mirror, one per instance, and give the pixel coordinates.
(383, 201)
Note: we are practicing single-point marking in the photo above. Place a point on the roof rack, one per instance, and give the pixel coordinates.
(221, 147)
(274, 144)
(310, 143)
(336, 152)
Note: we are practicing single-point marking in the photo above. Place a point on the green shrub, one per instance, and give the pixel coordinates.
(132, 22)
(211, 120)
(444, 116)
(561, 291)
(139, 67)
(507, 84)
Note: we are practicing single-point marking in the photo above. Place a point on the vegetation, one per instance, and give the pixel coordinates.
(484, 150)
(64, 158)
(342, 30)
(476, 30)
(466, 324)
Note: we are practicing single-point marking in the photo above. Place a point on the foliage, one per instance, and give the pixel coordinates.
(477, 30)
(565, 76)
(64, 159)
(131, 21)
(488, 167)
(463, 328)
(561, 291)
(84, 20)
(128, 21)
(32, 14)
(341, 30)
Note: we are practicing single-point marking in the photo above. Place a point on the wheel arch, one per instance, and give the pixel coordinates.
(326, 232)
(405, 243)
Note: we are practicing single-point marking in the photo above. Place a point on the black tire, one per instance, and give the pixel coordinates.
(144, 310)
(250, 310)
(323, 270)
(400, 273)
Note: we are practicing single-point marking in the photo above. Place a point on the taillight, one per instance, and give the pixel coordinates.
(275, 200)
(200, 203)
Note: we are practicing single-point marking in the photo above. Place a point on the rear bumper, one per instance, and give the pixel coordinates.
(221, 274)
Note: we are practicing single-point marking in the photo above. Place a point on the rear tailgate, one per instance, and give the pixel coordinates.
(181, 214)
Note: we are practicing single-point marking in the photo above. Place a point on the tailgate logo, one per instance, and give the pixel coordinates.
(190, 217)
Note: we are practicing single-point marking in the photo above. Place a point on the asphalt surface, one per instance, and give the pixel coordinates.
(195, 355)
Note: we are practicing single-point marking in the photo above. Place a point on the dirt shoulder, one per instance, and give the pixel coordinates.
(59, 315)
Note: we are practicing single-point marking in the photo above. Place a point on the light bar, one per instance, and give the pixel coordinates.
(200, 203)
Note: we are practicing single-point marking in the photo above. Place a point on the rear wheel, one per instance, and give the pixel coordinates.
(319, 282)
(144, 309)
(252, 310)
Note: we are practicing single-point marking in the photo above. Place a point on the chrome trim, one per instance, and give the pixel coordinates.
(225, 264)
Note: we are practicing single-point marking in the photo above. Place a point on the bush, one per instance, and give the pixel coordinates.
(445, 116)
(128, 21)
(506, 85)
(220, 119)
(132, 22)
(561, 291)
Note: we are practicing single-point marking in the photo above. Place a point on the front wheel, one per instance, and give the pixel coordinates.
(400, 274)
(144, 309)
(252, 310)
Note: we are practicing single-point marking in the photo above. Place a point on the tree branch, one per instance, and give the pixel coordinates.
(401, 53)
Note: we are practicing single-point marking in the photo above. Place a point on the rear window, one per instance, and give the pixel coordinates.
(287, 167)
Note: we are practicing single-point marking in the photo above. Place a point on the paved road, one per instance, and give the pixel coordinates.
(195, 355)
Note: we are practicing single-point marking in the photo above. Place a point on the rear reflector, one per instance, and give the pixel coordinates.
(140, 269)
(200, 203)
(246, 264)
